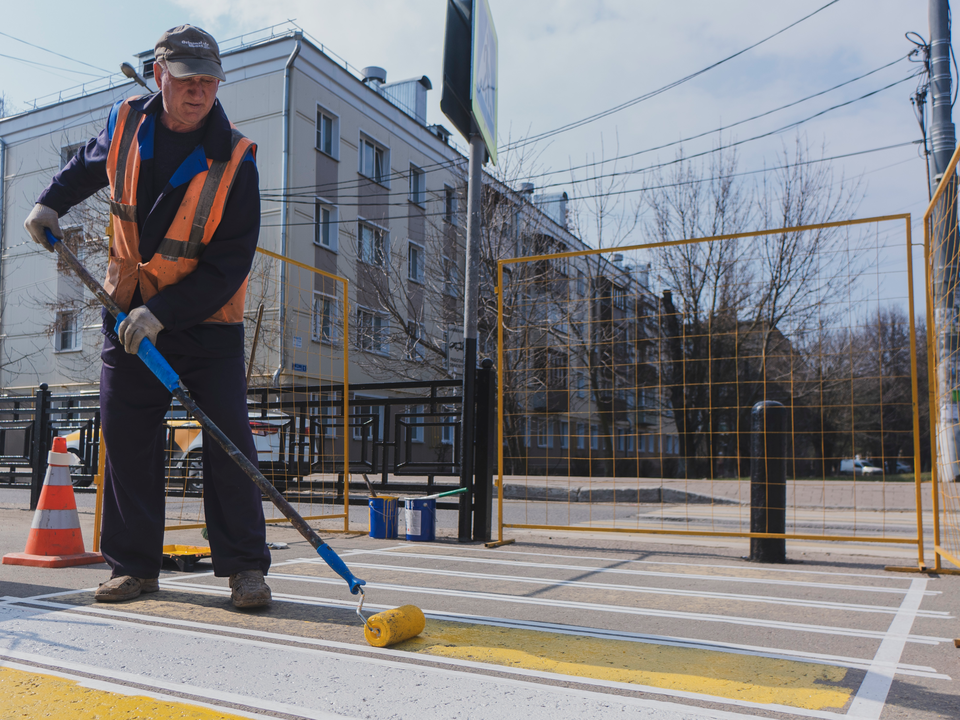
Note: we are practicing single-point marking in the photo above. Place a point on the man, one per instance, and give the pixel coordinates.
(185, 207)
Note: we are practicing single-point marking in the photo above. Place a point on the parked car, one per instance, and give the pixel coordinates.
(856, 466)
(903, 468)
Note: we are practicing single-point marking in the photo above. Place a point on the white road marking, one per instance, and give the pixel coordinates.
(326, 658)
(652, 573)
(599, 607)
(610, 587)
(872, 695)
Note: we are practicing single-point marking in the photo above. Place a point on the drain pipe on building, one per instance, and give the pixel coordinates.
(3, 198)
(284, 172)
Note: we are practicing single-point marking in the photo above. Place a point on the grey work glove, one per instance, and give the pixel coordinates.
(39, 218)
(139, 324)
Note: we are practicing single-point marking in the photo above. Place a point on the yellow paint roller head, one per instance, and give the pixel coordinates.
(393, 626)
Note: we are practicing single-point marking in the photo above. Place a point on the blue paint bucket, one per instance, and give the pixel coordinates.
(384, 514)
(421, 519)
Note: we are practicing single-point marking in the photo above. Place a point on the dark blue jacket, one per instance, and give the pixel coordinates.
(225, 262)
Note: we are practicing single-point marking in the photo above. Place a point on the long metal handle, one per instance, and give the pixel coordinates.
(161, 368)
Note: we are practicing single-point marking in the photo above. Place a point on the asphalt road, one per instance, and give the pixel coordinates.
(557, 625)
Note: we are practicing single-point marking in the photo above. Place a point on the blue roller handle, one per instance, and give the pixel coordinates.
(166, 374)
(340, 568)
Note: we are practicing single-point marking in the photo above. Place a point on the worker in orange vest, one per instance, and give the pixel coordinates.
(185, 206)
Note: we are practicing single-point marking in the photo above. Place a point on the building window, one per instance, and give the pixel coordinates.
(418, 185)
(68, 151)
(581, 284)
(581, 385)
(451, 277)
(581, 436)
(594, 437)
(448, 430)
(325, 222)
(374, 161)
(414, 423)
(372, 332)
(544, 434)
(564, 432)
(415, 261)
(619, 297)
(371, 244)
(367, 421)
(325, 318)
(449, 205)
(414, 349)
(68, 331)
(328, 133)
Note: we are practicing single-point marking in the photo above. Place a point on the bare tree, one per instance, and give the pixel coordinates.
(737, 310)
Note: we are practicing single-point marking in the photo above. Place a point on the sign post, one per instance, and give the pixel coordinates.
(470, 101)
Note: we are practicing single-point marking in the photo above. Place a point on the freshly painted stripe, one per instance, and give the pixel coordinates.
(872, 695)
(777, 654)
(651, 573)
(609, 587)
(752, 679)
(676, 709)
(120, 682)
(609, 608)
(36, 695)
(56, 520)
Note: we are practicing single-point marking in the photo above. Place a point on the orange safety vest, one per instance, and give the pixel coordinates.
(193, 227)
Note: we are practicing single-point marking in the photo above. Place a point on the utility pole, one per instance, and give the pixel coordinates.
(946, 268)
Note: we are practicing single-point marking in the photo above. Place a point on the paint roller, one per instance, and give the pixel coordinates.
(386, 628)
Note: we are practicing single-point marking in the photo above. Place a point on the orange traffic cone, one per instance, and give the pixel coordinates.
(55, 539)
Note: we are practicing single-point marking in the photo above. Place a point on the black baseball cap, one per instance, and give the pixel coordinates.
(187, 50)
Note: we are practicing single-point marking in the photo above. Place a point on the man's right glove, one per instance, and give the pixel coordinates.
(39, 218)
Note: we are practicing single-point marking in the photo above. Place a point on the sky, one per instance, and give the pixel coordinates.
(561, 61)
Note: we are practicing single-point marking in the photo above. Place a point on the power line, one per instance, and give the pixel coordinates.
(727, 127)
(774, 168)
(398, 174)
(44, 65)
(65, 57)
(302, 191)
(654, 93)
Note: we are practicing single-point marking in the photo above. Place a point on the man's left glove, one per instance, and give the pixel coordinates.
(139, 324)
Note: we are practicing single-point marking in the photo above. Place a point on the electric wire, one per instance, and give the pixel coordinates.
(646, 96)
(44, 65)
(65, 57)
(302, 191)
(399, 174)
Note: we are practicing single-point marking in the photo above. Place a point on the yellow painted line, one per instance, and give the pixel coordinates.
(33, 695)
(748, 678)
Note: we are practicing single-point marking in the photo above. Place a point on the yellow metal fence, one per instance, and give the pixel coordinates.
(297, 414)
(942, 266)
(628, 377)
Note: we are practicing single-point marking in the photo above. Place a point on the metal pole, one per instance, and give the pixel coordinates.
(768, 481)
(945, 246)
(470, 308)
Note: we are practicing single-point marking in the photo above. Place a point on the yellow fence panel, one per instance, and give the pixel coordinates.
(298, 397)
(628, 377)
(942, 260)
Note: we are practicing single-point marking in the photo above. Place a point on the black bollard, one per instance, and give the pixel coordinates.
(768, 481)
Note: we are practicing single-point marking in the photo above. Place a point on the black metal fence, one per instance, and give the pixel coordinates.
(387, 429)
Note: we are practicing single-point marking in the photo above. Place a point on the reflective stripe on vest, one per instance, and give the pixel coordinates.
(193, 226)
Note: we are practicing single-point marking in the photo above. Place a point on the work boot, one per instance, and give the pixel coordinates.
(249, 589)
(125, 587)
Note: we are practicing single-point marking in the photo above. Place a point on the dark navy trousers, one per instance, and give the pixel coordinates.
(132, 407)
